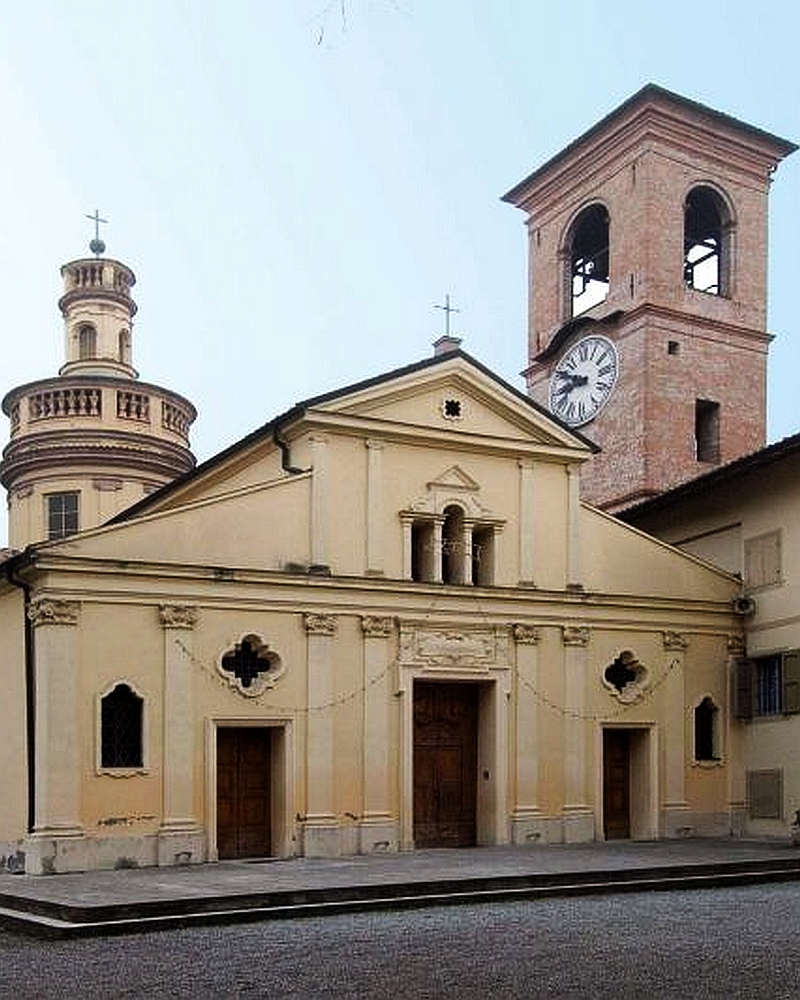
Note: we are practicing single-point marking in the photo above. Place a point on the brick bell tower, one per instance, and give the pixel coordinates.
(647, 291)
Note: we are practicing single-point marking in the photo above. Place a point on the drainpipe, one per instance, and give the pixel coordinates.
(30, 680)
(286, 457)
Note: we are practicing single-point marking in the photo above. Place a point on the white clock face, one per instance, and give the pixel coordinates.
(583, 380)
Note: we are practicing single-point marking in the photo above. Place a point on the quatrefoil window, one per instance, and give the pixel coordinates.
(625, 677)
(451, 409)
(250, 666)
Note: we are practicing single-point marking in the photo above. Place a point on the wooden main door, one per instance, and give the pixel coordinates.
(617, 783)
(445, 764)
(243, 792)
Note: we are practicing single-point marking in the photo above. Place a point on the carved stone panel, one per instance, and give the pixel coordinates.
(376, 627)
(48, 612)
(478, 647)
(177, 615)
(574, 635)
(527, 635)
(675, 640)
(320, 624)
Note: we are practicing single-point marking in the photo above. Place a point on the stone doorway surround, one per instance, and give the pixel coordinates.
(478, 654)
(643, 776)
(281, 780)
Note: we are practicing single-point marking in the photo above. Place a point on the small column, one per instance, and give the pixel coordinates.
(320, 826)
(407, 523)
(675, 818)
(573, 528)
(578, 817)
(180, 838)
(436, 561)
(527, 824)
(319, 501)
(527, 519)
(378, 826)
(375, 526)
(466, 560)
(56, 844)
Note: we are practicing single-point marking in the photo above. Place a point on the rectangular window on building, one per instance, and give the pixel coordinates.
(768, 685)
(706, 430)
(762, 560)
(62, 514)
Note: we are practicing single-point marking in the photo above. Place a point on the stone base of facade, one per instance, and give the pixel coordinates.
(325, 840)
(529, 826)
(378, 836)
(579, 827)
(55, 855)
(181, 847)
(676, 822)
(12, 856)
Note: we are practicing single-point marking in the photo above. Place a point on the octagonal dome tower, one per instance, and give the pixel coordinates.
(94, 439)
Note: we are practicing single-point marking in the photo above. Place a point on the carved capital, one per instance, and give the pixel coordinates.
(376, 627)
(526, 635)
(574, 635)
(320, 624)
(177, 615)
(674, 640)
(46, 612)
(736, 645)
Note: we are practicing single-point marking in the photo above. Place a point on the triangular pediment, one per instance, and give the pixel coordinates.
(453, 397)
(454, 478)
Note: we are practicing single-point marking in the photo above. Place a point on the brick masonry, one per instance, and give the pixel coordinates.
(640, 163)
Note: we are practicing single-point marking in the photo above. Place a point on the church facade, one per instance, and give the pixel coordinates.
(383, 620)
(389, 618)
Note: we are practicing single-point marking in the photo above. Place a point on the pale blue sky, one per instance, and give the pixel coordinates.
(295, 193)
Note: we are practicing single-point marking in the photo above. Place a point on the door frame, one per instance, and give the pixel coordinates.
(644, 779)
(281, 781)
(494, 682)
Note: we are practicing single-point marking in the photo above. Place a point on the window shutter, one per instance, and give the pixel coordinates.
(743, 689)
(791, 681)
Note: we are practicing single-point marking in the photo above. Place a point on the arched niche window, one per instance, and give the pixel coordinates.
(587, 248)
(87, 342)
(705, 731)
(706, 251)
(121, 727)
(124, 347)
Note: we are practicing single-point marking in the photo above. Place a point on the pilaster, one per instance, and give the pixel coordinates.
(56, 844)
(319, 500)
(578, 816)
(527, 821)
(375, 527)
(573, 528)
(675, 818)
(180, 839)
(320, 829)
(378, 827)
(527, 519)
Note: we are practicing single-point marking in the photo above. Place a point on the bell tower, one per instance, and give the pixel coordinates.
(647, 291)
(92, 440)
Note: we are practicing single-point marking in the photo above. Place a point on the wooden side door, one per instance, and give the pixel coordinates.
(617, 784)
(243, 792)
(445, 764)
